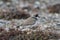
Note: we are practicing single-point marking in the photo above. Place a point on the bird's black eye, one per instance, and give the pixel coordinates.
(18, 26)
(36, 15)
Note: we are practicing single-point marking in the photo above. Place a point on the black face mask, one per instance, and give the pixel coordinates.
(36, 15)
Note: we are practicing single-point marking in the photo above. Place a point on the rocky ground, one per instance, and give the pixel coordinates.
(30, 20)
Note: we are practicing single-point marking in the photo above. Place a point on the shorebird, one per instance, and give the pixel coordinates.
(29, 21)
